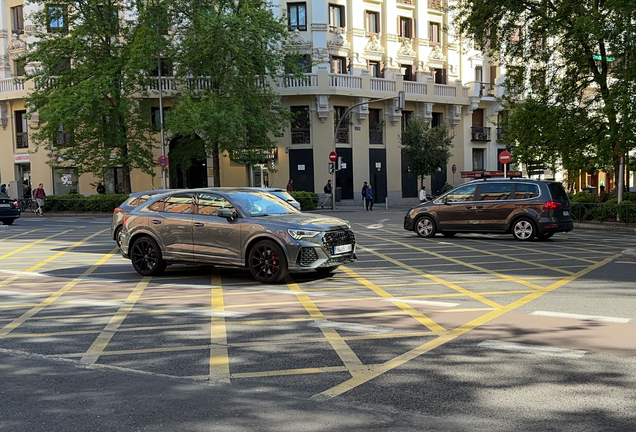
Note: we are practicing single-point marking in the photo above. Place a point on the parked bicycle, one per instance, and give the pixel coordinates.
(28, 204)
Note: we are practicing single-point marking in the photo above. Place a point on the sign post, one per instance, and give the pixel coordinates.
(504, 158)
(454, 169)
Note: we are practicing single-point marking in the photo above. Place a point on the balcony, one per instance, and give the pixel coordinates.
(482, 89)
(343, 135)
(22, 140)
(435, 4)
(300, 136)
(376, 136)
(478, 133)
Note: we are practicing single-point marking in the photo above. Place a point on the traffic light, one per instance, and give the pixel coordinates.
(331, 167)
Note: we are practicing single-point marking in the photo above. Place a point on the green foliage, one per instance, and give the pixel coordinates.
(307, 200)
(604, 212)
(584, 197)
(239, 49)
(572, 62)
(81, 203)
(90, 74)
(426, 148)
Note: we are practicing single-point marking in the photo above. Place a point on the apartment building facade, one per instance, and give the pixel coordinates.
(356, 52)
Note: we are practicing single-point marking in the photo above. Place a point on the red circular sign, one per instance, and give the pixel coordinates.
(333, 156)
(504, 157)
(163, 161)
(454, 169)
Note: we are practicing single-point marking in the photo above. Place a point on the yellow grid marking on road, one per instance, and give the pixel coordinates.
(303, 371)
(473, 266)
(33, 243)
(377, 370)
(219, 356)
(346, 354)
(18, 235)
(4, 331)
(451, 285)
(410, 310)
(296, 341)
(106, 335)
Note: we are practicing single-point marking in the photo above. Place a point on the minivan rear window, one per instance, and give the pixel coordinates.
(558, 192)
(526, 190)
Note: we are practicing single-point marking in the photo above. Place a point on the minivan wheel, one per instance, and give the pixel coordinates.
(146, 257)
(267, 262)
(523, 229)
(425, 227)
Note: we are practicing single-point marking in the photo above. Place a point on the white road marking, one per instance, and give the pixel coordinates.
(422, 302)
(582, 317)
(531, 349)
(307, 293)
(352, 327)
(625, 262)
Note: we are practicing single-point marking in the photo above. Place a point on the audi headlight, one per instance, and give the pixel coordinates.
(298, 234)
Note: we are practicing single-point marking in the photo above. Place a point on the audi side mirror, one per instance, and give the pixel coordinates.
(226, 213)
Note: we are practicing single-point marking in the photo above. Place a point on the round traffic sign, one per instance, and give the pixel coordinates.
(504, 157)
(163, 161)
(333, 156)
(454, 169)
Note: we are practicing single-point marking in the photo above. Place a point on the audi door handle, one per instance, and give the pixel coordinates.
(479, 207)
(198, 224)
(156, 221)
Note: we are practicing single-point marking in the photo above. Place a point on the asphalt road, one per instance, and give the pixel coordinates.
(466, 333)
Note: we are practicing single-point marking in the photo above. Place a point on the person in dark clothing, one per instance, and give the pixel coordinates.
(101, 189)
(328, 192)
(368, 198)
(364, 191)
(290, 188)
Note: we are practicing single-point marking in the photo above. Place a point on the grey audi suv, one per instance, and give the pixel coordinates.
(525, 208)
(234, 227)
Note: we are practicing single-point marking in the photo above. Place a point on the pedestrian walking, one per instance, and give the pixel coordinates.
(328, 192)
(3, 188)
(39, 196)
(423, 194)
(290, 188)
(368, 198)
(364, 192)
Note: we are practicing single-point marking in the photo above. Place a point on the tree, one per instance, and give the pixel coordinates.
(426, 148)
(88, 64)
(570, 74)
(238, 47)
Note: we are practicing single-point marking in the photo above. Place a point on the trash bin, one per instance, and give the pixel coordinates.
(590, 189)
(338, 194)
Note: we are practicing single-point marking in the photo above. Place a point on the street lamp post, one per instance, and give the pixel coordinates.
(400, 98)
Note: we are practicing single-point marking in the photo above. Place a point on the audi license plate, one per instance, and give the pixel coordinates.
(342, 249)
(566, 213)
(5, 205)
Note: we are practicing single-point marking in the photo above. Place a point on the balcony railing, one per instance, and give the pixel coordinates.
(22, 140)
(445, 90)
(343, 135)
(486, 89)
(10, 84)
(435, 4)
(345, 81)
(310, 80)
(479, 133)
(300, 136)
(376, 136)
(415, 88)
(382, 85)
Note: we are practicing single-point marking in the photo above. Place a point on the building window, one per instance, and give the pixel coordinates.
(373, 22)
(57, 18)
(343, 130)
(336, 16)
(338, 65)
(433, 33)
(65, 181)
(375, 70)
(166, 68)
(406, 117)
(405, 27)
(407, 73)
(376, 126)
(18, 68)
(155, 116)
(21, 130)
(300, 125)
(478, 159)
(63, 137)
(437, 119)
(17, 20)
(440, 76)
(297, 13)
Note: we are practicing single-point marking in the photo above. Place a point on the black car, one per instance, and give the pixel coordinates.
(9, 209)
(525, 208)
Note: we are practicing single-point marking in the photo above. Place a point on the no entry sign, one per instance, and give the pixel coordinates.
(504, 157)
(333, 156)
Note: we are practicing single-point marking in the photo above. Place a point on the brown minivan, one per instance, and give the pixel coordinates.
(524, 207)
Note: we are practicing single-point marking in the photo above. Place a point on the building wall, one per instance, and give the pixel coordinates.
(456, 100)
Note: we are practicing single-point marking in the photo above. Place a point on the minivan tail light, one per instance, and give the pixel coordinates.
(125, 220)
(551, 205)
(117, 209)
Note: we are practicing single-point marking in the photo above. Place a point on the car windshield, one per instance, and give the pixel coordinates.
(261, 203)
